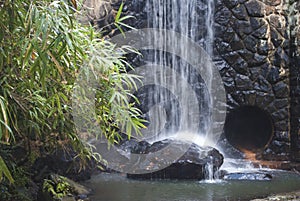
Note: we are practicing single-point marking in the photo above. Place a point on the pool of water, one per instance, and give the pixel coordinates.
(116, 187)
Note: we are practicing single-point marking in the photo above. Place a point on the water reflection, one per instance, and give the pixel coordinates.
(116, 187)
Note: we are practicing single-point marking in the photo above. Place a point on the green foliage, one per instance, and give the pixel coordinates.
(5, 171)
(119, 21)
(57, 187)
(21, 188)
(5, 130)
(42, 50)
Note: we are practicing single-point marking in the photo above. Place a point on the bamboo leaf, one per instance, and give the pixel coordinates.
(125, 18)
(117, 18)
(5, 135)
(5, 171)
(126, 25)
(58, 66)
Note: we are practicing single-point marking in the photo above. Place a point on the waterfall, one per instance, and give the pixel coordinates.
(209, 172)
(167, 115)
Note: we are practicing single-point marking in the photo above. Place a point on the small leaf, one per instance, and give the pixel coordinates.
(119, 12)
(4, 170)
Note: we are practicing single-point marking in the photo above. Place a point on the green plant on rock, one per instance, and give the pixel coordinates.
(57, 187)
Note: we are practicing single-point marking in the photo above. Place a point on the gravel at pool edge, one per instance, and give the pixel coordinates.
(294, 196)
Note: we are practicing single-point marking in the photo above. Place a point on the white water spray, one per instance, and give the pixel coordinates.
(167, 118)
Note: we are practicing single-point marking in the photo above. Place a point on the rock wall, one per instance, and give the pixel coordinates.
(256, 47)
(253, 38)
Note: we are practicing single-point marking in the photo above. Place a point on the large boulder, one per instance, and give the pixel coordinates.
(193, 161)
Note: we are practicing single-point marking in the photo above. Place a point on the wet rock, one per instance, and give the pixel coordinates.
(78, 189)
(280, 114)
(277, 21)
(258, 60)
(243, 28)
(255, 8)
(230, 151)
(231, 102)
(276, 38)
(249, 176)
(137, 5)
(246, 54)
(241, 66)
(263, 47)
(191, 165)
(225, 47)
(238, 96)
(240, 12)
(261, 33)
(273, 75)
(262, 85)
(223, 17)
(282, 126)
(257, 22)
(231, 3)
(255, 72)
(272, 2)
(264, 70)
(68, 198)
(281, 90)
(232, 57)
(134, 146)
(219, 31)
(243, 82)
(62, 163)
(281, 103)
(236, 43)
(278, 150)
(250, 97)
(264, 99)
(251, 43)
(281, 58)
(229, 84)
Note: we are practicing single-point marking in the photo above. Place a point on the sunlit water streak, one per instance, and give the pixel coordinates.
(181, 16)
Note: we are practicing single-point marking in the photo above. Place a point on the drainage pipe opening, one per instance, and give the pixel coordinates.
(248, 128)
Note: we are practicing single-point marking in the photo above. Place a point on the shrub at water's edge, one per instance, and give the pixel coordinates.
(42, 49)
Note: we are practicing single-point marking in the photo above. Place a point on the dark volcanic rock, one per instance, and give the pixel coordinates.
(191, 165)
(134, 146)
(281, 90)
(62, 163)
(255, 8)
(231, 4)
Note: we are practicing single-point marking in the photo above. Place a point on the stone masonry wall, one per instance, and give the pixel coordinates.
(253, 38)
(254, 49)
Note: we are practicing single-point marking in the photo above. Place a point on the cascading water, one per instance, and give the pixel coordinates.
(167, 115)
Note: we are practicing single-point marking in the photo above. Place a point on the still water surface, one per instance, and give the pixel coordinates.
(116, 187)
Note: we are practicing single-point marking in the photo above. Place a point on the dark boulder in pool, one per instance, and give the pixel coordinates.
(173, 159)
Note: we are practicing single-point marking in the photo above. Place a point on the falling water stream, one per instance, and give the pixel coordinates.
(172, 111)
